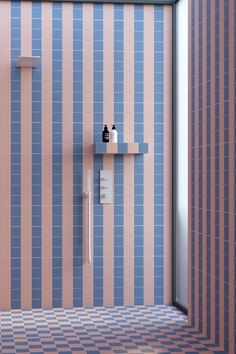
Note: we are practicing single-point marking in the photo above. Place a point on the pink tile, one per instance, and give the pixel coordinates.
(108, 243)
(128, 160)
(87, 138)
(204, 172)
(231, 178)
(196, 157)
(67, 157)
(129, 72)
(111, 148)
(5, 146)
(132, 148)
(213, 170)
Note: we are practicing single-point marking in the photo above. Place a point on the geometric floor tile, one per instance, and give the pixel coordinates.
(126, 329)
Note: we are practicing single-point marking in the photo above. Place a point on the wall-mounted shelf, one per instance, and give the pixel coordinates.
(121, 148)
(27, 61)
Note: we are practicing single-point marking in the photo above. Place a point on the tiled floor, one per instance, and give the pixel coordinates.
(152, 329)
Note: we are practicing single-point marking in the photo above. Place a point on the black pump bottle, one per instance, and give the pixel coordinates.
(105, 134)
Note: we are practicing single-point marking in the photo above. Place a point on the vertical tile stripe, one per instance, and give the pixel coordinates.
(67, 155)
(15, 157)
(36, 161)
(47, 156)
(190, 160)
(226, 175)
(118, 159)
(212, 167)
(128, 160)
(149, 158)
(196, 157)
(118, 232)
(200, 171)
(221, 172)
(108, 163)
(87, 136)
(158, 154)
(57, 154)
(78, 156)
(204, 170)
(5, 152)
(138, 161)
(98, 160)
(208, 170)
(192, 175)
(217, 172)
(26, 168)
(231, 304)
(234, 104)
(167, 154)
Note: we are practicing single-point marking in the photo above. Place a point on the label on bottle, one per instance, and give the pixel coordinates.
(106, 136)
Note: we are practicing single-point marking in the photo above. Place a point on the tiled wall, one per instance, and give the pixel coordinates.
(212, 170)
(98, 64)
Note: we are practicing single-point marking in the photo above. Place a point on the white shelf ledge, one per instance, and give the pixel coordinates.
(27, 61)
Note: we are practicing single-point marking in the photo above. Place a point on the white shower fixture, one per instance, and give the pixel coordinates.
(88, 196)
(105, 186)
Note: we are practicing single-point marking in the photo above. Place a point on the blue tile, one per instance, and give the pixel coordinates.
(15, 161)
(57, 148)
(123, 148)
(158, 139)
(100, 147)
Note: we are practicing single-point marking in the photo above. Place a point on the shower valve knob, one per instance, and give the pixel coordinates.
(106, 186)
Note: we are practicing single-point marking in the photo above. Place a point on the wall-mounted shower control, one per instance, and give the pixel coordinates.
(106, 187)
(88, 196)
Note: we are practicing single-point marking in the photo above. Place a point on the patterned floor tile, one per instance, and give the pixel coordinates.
(132, 330)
